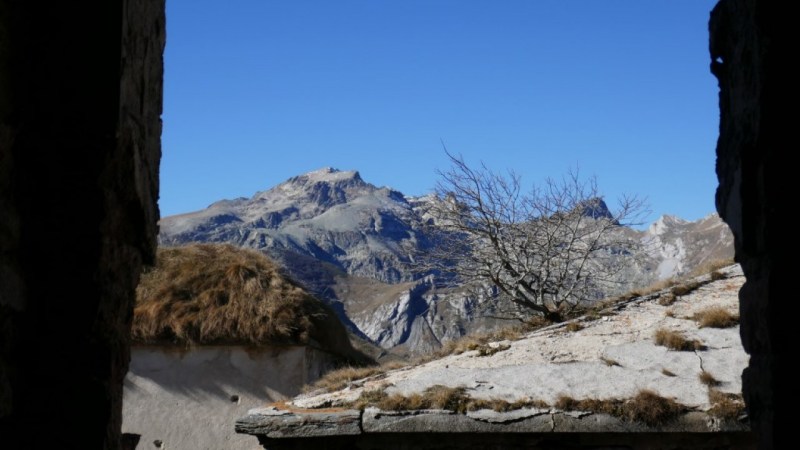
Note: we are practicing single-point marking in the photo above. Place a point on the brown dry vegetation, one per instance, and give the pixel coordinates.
(652, 409)
(674, 340)
(711, 266)
(724, 405)
(488, 350)
(708, 379)
(439, 397)
(717, 275)
(341, 378)
(211, 294)
(685, 288)
(667, 299)
(610, 362)
(647, 407)
(657, 286)
(716, 317)
(573, 326)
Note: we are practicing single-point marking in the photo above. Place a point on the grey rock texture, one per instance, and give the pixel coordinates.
(275, 424)
(80, 128)
(553, 361)
(333, 216)
(549, 363)
(749, 41)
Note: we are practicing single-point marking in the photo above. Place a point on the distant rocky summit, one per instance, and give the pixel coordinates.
(332, 216)
(352, 244)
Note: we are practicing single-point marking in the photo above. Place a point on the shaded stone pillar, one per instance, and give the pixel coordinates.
(80, 127)
(747, 45)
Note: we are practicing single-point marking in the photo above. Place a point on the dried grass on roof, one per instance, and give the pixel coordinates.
(209, 294)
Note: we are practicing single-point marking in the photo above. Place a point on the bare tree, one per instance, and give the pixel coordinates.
(547, 249)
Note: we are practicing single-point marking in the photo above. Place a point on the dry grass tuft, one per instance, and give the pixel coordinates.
(435, 397)
(708, 379)
(646, 406)
(500, 405)
(668, 373)
(717, 275)
(341, 378)
(368, 398)
(711, 266)
(669, 313)
(716, 317)
(685, 288)
(613, 407)
(610, 362)
(459, 346)
(212, 294)
(439, 397)
(444, 397)
(592, 315)
(667, 299)
(488, 350)
(649, 407)
(659, 285)
(674, 340)
(724, 405)
(574, 326)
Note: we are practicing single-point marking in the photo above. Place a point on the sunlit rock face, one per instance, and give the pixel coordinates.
(330, 215)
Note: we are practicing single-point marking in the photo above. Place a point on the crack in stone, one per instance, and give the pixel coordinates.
(701, 361)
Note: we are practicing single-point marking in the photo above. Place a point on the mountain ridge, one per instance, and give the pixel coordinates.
(353, 244)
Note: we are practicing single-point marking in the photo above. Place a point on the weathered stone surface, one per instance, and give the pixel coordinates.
(271, 425)
(748, 42)
(283, 426)
(491, 416)
(80, 128)
(613, 358)
(376, 421)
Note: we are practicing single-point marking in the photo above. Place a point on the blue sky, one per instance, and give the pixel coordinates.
(259, 91)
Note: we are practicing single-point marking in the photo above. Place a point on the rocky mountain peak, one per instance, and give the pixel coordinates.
(665, 223)
(328, 175)
(596, 208)
(353, 244)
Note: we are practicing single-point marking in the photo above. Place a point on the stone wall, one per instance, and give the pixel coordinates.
(190, 399)
(747, 44)
(80, 106)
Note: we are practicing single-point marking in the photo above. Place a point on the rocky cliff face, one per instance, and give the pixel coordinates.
(351, 243)
(676, 246)
(330, 215)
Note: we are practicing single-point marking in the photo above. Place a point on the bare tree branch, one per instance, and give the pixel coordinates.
(547, 249)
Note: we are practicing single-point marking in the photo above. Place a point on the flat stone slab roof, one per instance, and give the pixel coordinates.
(613, 356)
